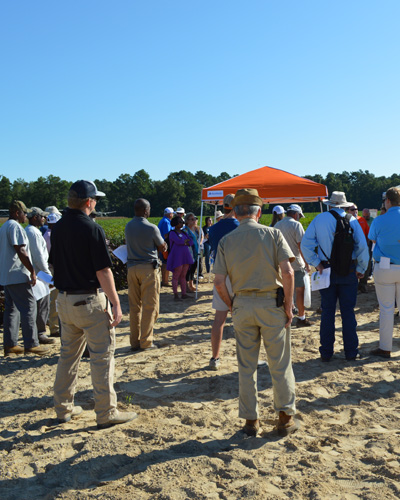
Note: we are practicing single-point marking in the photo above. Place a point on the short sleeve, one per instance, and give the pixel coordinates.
(98, 249)
(220, 263)
(16, 235)
(372, 230)
(299, 232)
(283, 250)
(157, 238)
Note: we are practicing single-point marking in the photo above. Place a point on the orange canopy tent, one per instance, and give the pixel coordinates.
(273, 185)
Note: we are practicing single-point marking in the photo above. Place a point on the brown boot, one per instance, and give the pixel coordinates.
(16, 349)
(286, 424)
(38, 350)
(252, 427)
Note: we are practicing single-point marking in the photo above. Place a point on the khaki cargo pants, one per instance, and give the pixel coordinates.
(257, 319)
(144, 303)
(80, 324)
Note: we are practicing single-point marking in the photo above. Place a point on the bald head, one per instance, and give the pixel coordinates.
(142, 208)
(366, 213)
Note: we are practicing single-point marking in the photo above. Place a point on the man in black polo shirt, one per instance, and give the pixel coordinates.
(82, 265)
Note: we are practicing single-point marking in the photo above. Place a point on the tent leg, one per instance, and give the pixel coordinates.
(199, 253)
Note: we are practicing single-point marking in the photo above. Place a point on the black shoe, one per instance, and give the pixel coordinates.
(355, 358)
(325, 360)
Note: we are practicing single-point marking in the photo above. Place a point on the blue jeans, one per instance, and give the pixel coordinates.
(207, 251)
(20, 306)
(343, 288)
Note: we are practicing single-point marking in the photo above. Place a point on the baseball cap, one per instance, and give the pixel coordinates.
(36, 211)
(228, 200)
(169, 210)
(52, 210)
(53, 218)
(180, 210)
(278, 209)
(295, 208)
(86, 189)
(18, 205)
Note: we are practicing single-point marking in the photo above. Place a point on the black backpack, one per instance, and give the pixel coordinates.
(343, 245)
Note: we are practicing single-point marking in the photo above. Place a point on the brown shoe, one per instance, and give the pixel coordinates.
(16, 349)
(44, 339)
(381, 353)
(301, 323)
(287, 424)
(251, 427)
(38, 350)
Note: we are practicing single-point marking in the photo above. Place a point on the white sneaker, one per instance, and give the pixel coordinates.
(76, 410)
(119, 418)
(214, 364)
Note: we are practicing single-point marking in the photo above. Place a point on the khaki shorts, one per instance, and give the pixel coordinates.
(217, 303)
(299, 278)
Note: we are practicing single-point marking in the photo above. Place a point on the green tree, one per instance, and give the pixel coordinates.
(5, 192)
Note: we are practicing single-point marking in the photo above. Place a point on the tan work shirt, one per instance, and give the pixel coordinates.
(250, 255)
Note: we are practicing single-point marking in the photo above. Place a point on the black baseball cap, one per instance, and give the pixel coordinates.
(86, 189)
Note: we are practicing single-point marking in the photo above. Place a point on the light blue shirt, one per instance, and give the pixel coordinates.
(164, 226)
(321, 232)
(385, 231)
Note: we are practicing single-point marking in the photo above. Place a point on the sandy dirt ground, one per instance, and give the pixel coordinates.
(187, 442)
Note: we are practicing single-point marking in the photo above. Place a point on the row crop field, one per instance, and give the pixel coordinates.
(114, 227)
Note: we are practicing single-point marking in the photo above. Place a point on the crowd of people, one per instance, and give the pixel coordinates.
(260, 275)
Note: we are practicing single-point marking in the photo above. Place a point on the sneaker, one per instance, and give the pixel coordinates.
(152, 346)
(214, 364)
(44, 339)
(39, 351)
(301, 323)
(16, 349)
(119, 418)
(76, 410)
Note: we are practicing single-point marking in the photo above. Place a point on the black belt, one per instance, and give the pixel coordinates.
(78, 292)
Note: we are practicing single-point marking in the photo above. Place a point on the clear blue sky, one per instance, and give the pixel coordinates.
(95, 88)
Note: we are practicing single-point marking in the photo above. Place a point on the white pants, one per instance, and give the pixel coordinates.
(387, 286)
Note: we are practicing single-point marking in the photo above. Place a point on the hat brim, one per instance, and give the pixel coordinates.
(338, 205)
(247, 199)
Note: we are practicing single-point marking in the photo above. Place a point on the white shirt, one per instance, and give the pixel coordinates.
(38, 248)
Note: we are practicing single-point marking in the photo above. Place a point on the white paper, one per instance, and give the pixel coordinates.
(40, 290)
(320, 281)
(47, 278)
(384, 263)
(121, 253)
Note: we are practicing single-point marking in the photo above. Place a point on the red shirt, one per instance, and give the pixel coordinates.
(364, 225)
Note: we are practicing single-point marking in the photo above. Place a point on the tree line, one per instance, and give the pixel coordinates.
(180, 189)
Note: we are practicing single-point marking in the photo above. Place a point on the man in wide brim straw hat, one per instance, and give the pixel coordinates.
(320, 235)
(257, 260)
(338, 199)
